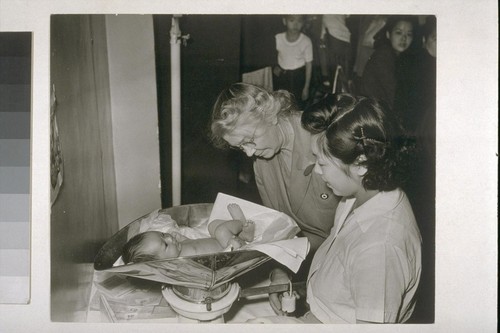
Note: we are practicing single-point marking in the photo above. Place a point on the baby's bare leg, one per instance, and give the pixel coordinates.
(248, 231)
(236, 212)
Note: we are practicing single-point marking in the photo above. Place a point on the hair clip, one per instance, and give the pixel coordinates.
(361, 138)
(364, 139)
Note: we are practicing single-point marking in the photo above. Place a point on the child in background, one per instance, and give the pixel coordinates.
(336, 40)
(295, 56)
(367, 29)
(156, 245)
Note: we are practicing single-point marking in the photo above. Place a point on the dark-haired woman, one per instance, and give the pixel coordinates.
(368, 269)
(381, 73)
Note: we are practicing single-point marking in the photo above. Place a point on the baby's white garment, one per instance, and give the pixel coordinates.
(158, 221)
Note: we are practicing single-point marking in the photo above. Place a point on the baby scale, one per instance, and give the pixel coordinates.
(198, 288)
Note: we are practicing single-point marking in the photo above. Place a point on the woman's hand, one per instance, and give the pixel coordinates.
(275, 302)
(277, 276)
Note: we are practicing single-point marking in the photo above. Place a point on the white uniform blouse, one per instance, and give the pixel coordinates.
(369, 268)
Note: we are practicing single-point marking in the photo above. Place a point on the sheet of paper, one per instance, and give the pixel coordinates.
(273, 230)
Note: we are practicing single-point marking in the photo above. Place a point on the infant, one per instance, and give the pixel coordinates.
(155, 245)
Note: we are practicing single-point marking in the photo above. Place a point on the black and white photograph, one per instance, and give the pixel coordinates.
(160, 115)
(237, 167)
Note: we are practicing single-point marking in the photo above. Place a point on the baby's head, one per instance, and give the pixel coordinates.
(150, 245)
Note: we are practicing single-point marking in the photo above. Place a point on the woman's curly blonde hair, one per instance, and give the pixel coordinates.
(243, 103)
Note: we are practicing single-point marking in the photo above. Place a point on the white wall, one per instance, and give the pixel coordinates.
(134, 113)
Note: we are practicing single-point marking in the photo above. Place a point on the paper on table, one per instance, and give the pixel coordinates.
(290, 252)
(270, 225)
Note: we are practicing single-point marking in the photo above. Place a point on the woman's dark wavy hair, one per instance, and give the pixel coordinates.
(348, 126)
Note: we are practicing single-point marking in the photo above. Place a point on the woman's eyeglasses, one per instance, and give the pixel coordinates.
(248, 145)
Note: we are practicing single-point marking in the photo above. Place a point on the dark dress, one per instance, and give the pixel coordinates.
(419, 116)
(379, 77)
(416, 92)
(416, 100)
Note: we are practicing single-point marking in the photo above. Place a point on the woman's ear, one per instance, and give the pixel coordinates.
(387, 34)
(359, 165)
(361, 170)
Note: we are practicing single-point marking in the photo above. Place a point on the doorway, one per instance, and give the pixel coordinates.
(210, 61)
